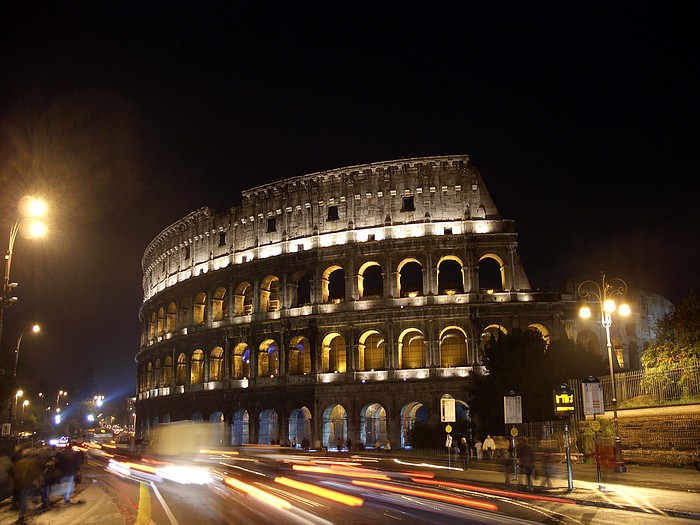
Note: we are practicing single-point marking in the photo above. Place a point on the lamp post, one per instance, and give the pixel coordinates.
(603, 294)
(31, 208)
(35, 329)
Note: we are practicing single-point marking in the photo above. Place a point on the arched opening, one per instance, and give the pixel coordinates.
(453, 348)
(412, 414)
(240, 427)
(491, 274)
(410, 278)
(157, 378)
(160, 324)
(299, 425)
(589, 340)
(167, 371)
(370, 283)
(334, 353)
(492, 332)
(218, 305)
(243, 299)
(268, 358)
(241, 361)
(200, 308)
(181, 370)
(412, 349)
(373, 431)
(333, 284)
(152, 327)
(216, 364)
(149, 374)
(299, 356)
(197, 367)
(171, 318)
(270, 294)
(335, 426)
(542, 330)
(450, 276)
(269, 427)
(303, 290)
(184, 312)
(371, 351)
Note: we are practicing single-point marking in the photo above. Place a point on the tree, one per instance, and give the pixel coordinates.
(522, 362)
(677, 341)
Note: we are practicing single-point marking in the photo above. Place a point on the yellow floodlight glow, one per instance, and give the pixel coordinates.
(585, 312)
(37, 229)
(609, 306)
(31, 206)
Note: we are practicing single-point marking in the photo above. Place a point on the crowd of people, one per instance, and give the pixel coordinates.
(40, 473)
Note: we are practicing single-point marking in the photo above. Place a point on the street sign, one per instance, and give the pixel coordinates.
(514, 432)
(595, 425)
(593, 402)
(513, 409)
(447, 409)
(448, 428)
(563, 401)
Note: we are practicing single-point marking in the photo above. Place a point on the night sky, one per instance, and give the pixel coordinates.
(582, 117)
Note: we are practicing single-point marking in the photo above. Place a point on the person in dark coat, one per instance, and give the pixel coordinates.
(526, 455)
(67, 466)
(26, 477)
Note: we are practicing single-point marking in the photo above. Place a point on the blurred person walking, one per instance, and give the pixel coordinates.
(490, 447)
(526, 454)
(67, 467)
(26, 477)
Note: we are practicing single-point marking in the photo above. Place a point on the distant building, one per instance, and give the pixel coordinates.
(340, 305)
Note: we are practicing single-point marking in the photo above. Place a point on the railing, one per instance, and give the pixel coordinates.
(673, 385)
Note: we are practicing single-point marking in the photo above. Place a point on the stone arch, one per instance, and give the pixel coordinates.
(411, 414)
(216, 417)
(333, 284)
(542, 330)
(491, 273)
(171, 318)
(167, 371)
(268, 358)
(269, 427)
(589, 340)
(302, 295)
(299, 425)
(270, 294)
(450, 275)
(181, 370)
(240, 427)
(184, 311)
(197, 416)
(197, 367)
(335, 425)
(299, 355)
(152, 327)
(371, 351)
(411, 349)
(216, 364)
(370, 281)
(219, 306)
(373, 427)
(148, 376)
(409, 278)
(157, 377)
(334, 353)
(243, 299)
(200, 308)
(241, 361)
(494, 331)
(160, 323)
(453, 347)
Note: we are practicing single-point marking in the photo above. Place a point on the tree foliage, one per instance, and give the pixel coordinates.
(677, 337)
(522, 362)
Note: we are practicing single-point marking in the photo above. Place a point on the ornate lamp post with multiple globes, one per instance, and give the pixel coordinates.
(603, 294)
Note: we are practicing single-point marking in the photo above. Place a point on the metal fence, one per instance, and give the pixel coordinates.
(652, 387)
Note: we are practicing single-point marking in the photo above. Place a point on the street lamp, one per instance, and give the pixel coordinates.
(31, 208)
(604, 294)
(24, 405)
(35, 328)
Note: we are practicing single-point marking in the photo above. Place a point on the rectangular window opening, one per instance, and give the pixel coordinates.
(408, 204)
(271, 224)
(333, 213)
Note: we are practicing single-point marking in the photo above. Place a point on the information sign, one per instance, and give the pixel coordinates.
(563, 401)
(593, 401)
(513, 409)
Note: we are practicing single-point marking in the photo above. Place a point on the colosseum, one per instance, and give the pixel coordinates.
(343, 304)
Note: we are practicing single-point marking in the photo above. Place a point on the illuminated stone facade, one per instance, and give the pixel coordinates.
(338, 305)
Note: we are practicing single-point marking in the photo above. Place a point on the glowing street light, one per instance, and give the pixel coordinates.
(604, 295)
(25, 403)
(31, 209)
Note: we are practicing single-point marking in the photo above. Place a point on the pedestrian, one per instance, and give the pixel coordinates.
(464, 453)
(478, 446)
(387, 447)
(67, 467)
(305, 444)
(339, 443)
(490, 447)
(526, 454)
(349, 444)
(26, 477)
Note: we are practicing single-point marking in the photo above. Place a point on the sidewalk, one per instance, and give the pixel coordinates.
(667, 491)
(91, 504)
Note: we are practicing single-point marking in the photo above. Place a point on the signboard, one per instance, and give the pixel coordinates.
(514, 432)
(447, 409)
(593, 402)
(563, 401)
(513, 409)
(448, 428)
